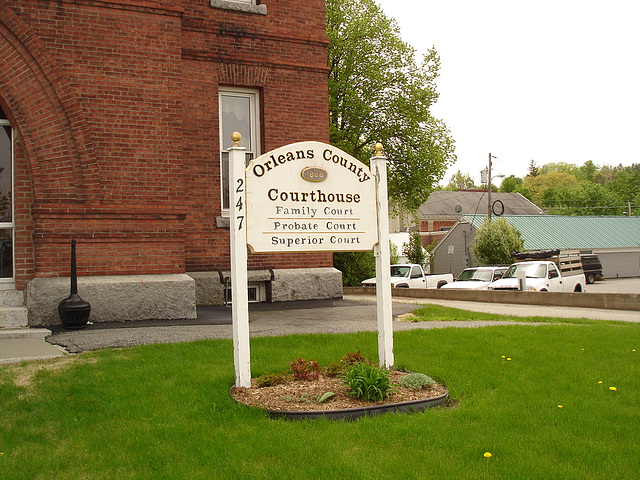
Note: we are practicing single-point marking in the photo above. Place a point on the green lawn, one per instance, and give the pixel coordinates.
(164, 411)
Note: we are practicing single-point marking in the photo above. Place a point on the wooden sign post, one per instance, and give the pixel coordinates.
(239, 283)
(383, 267)
(306, 197)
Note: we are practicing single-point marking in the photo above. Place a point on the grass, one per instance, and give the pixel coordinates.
(164, 411)
(438, 313)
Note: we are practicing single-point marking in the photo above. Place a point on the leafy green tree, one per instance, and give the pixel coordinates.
(355, 267)
(585, 199)
(559, 167)
(511, 184)
(625, 182)
(604, 175)
(413, 250)
(565, 189)
(538, 184)
(358, 266)
(394, 256)
(587, 171)
(460, 181)
(495, 240)
(378, 92)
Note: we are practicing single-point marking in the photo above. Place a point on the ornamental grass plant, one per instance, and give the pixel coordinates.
(368, 382)
(164, 411)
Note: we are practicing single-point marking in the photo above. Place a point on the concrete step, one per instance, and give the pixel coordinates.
(24, 344)
(39, 333)
(13, 317)
(11, 298)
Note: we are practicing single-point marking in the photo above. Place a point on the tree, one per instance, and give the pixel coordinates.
(533, 169)
(495, 240)
(538, 184)
(358, 266)
(625, 182)
(559, 167)
(394, 256)
(379, 93)
(355, 267)
(587, 171)
(511, 184)
(585, 199)
(413, 250)
(460, 181)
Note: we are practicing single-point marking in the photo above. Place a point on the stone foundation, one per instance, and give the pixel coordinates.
(146, 297)
(281, 285)
(115, 298)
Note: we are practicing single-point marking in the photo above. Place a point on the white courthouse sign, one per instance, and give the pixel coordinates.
(310, 197)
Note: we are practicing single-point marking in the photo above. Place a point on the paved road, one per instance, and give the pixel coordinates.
(615, 285)
(351, 314)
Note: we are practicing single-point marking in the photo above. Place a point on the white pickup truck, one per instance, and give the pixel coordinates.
(541, 276)
(411, 275)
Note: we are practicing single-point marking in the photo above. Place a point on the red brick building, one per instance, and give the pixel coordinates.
(116, 115)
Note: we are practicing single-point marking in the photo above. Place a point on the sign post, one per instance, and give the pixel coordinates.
(306, 197)
(239, 283)
(383, 269)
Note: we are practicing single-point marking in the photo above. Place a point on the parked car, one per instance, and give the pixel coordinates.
(477, 278)
(591, 266)
(412, 276)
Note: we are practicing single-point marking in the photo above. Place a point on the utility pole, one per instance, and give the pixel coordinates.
(489, 188)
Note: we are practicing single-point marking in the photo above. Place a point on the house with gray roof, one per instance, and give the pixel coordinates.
(615, 239)
(444, 208)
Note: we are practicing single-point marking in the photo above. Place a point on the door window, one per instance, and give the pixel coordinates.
(6, 203)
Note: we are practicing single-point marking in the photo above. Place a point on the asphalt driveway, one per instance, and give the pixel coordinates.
(351, 314)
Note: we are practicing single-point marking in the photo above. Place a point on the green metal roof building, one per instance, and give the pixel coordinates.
(615, 239)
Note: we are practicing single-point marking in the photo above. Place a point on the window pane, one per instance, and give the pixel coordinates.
(236, 117)
(5, 175)
(238, 109)
(6, 253)
(225, 180)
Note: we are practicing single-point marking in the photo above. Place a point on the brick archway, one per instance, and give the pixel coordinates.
(41, 105)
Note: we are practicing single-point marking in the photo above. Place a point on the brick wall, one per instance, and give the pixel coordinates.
(435, 225)
(23, 235)
(116, 105)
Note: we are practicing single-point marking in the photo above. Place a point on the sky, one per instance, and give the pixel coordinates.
(552, 80)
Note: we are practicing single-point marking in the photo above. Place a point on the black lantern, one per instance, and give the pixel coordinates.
(74, 312)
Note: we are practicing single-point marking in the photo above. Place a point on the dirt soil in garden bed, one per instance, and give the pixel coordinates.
(303, 395)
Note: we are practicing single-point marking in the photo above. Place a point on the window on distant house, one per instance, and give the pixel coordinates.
(239, 112)
(250, 6)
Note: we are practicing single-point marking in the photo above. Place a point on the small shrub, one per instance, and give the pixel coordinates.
(353, 358)
(368, 382)
(303, 370)
(416, 381)
(271, 379)
(333, 369)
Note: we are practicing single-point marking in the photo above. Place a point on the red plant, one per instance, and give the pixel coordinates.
(303, 370)
(352, 358)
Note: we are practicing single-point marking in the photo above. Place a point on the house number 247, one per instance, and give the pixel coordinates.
(239, 205)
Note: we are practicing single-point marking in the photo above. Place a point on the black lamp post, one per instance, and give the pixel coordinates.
(74, 312)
